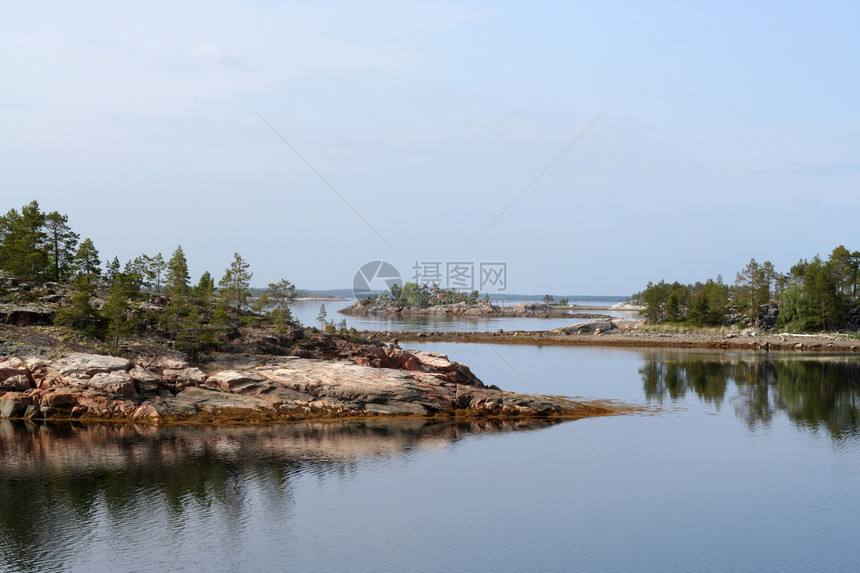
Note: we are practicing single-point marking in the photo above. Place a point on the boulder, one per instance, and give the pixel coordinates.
(194, 376)
(147, 380)
(12, 409)
(81, 365)
(146, 412)
(119, 383)
(235, 381)
(14, 362)
(172, 363)
(46, 412)
(15, 380)
(195, 398)
(587, 327)
(60, 397)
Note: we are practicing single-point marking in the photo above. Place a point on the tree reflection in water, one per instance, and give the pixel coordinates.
(62, 484)
(814, 392)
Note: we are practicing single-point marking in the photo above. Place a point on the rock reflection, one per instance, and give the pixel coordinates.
(60, 483)
(814, 392)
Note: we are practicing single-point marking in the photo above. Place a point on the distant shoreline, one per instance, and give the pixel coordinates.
(388, 308)
(634, 339)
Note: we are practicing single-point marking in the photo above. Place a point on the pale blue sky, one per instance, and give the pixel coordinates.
(731, 130)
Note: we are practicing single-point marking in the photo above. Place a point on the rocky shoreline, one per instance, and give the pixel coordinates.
(624, 333)
(364, 380)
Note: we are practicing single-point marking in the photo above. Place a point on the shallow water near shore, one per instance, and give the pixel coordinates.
(749, 464)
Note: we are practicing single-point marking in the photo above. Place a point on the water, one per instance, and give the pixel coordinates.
(308, 311)
(750, 464)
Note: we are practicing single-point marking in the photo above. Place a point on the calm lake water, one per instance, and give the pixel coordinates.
(308, 311)
(750, 464)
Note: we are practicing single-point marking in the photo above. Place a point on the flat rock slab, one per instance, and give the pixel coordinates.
(89, 364)
(425, 383)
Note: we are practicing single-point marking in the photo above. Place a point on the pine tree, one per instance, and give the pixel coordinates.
(194, 336)
(204, 293)
(116, 310)
(322, 316)
(112, 271)
(236, 282)
(86, 260)
(22, 238)
(220, 323)
(9, 225)
(176, 281)
(134, 275)
(60, 242)
(33, 259)
(80, 314)
(282, 294)
(825, 301)
(140, 267)
(157, 267)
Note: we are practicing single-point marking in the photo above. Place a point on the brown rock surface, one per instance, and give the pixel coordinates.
(360, 379)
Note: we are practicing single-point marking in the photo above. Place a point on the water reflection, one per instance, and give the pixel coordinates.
(814, 392)
(64, 486)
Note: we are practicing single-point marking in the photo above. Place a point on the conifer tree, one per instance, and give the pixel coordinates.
(322, 316)
(9, 223)
(112, 271)
(33, 261)
(157, 267)
(140, 267)
(236, 282)
(86, 260)
(80, 314)
(282, 295)
(177, 279)
(22, 241)
(60, 243)
(116, 309)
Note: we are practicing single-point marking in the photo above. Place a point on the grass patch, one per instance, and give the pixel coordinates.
(683, 328)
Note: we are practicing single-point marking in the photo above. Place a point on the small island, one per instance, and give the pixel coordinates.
(413, 299)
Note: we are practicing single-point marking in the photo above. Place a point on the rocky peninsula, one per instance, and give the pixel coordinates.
(319, 376)
(250, 374)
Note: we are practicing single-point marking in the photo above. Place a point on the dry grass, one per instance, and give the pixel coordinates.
(675, 328)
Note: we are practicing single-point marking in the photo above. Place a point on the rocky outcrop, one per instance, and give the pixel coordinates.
(364, 379)
(599, 326)
(26, 314)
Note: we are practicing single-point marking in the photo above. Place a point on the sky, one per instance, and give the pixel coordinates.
(591, 147)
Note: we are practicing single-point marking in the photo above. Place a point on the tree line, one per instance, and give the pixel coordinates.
(424, 296)
(813, 295)
(147, 293)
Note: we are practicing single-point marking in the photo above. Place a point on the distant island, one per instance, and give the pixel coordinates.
(413, 299)
(376, 307)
